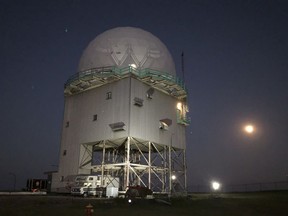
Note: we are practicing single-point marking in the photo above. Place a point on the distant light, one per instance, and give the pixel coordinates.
(179, 106)
(215, 185)
(249, 129)
(173, 177)
(129, 201)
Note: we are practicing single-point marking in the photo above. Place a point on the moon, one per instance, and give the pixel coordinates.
(249, 129)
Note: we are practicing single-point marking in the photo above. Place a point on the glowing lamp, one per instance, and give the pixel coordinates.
(215, 185)
(173, 177)
(132, 65)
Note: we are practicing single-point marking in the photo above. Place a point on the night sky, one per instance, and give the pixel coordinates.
(236, 70)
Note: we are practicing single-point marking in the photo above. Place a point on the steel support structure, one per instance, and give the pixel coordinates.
(137, 162)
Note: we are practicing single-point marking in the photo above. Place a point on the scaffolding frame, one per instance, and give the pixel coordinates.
(136, 162)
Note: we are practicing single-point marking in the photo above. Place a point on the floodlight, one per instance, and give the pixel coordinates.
(179, 106)
(132, 65)
(173, 177)
(215, 185)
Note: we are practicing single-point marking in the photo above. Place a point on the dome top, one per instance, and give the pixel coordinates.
(127, 46)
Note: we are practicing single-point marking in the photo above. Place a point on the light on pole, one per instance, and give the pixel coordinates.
(215, 185)
(14, 175)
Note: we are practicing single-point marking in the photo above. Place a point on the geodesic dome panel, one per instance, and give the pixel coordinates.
(127, 46)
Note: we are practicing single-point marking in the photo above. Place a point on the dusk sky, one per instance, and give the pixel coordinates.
(236, 71)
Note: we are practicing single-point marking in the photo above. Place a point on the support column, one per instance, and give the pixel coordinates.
(149, 165)
(185, 171)
(103, 164)
(127, 162)
(170, 173)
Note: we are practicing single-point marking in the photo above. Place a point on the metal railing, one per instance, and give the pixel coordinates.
(183, 119)
(112, 70)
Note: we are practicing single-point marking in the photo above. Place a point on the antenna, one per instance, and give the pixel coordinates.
(182, 64)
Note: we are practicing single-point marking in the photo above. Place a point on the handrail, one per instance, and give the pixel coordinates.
(111, 70)
(183, 119)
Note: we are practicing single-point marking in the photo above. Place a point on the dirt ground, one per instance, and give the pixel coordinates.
(264, 203)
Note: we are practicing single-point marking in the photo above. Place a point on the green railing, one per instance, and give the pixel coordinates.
(183, 120)
(141, 73)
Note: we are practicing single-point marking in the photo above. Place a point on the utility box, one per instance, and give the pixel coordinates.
(111, 192)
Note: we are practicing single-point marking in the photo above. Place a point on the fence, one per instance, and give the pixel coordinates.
(252, 187)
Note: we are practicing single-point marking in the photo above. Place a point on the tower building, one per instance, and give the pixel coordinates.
(125, 114)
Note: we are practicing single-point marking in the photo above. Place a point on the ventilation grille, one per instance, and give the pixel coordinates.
(138, 101)
(118, 126)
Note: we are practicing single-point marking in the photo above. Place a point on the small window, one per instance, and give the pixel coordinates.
(62, 178)
(67, 124)
(108, 95)
(91, 178)
(64, 152)
(95, 117)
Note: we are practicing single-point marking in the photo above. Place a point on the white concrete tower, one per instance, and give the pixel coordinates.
(125, 114)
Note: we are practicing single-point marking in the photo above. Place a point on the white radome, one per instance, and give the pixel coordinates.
(126, 46)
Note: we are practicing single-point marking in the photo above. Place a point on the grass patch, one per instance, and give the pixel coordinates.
(265, 203)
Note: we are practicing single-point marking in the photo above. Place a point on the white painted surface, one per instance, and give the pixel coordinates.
(124, 46)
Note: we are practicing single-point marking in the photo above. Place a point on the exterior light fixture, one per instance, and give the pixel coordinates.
(215, 185)
(132, 65)
(173, 177)
(179, 106)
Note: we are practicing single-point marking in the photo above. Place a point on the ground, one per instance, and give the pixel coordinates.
(264, 203)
